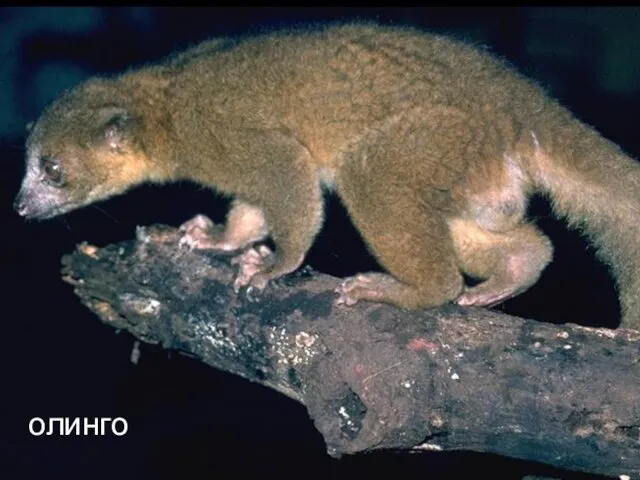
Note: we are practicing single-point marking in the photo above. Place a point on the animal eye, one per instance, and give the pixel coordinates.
(52, 171)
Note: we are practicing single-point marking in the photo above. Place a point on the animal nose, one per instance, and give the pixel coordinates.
(20, 206)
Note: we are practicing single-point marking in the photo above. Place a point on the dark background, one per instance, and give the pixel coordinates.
(186, 419)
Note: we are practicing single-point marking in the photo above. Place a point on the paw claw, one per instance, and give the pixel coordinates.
(475, 298)
(186, 242)
(250, 292)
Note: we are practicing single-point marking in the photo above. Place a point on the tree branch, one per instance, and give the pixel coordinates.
(372, 376)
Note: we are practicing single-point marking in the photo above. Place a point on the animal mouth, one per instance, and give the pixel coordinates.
(44, 213)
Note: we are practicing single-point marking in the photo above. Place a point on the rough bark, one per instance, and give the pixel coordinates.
(372, 376)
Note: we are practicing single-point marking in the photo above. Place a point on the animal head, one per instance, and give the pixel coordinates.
(84, 148)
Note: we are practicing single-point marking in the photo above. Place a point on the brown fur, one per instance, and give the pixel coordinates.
(433, 146)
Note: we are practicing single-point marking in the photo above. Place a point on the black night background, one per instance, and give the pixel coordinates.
(187, 420)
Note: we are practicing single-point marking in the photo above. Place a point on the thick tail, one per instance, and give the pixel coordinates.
(596, 187)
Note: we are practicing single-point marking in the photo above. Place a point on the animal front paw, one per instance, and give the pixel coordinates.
(200, 233)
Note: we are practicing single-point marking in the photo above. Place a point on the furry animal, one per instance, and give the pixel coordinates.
(433, 146)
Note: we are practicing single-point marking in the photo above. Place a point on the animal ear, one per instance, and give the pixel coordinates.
(116, 125)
